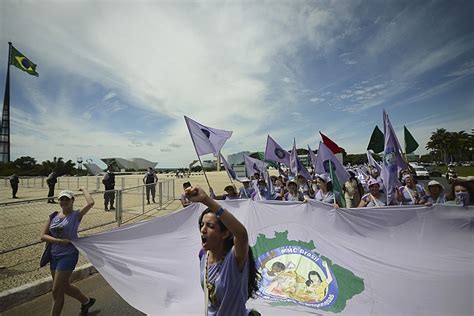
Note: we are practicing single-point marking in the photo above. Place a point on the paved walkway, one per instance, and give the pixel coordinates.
(108, 302)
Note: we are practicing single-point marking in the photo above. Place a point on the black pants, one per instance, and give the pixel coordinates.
(150, 188)
(51, 192)
(14, 189)
(109, 197)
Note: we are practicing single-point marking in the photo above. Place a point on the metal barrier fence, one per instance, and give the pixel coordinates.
(74, 183)
(22, 222)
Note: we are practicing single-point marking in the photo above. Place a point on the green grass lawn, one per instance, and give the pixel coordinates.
(461, 171)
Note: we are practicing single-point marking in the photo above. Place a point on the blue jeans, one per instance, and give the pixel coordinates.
(64, 263)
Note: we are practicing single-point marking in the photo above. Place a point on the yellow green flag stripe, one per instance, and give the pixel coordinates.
(20, 61)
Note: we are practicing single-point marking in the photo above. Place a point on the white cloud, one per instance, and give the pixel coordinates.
(109, 95)
(466, 69)
(233, 65)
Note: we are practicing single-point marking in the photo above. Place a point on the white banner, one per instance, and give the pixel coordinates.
(371, 261)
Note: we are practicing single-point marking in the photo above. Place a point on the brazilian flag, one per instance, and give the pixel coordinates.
(20, 61)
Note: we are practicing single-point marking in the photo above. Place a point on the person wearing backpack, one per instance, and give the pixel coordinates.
(51, 182)
(109, 184)
(150, 179)
(14, 185)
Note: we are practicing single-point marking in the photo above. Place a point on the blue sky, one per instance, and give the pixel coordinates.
(116, 78)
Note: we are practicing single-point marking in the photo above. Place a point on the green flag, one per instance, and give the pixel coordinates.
(377, 140)
(410, 143)
(336, 186)
(20, 61)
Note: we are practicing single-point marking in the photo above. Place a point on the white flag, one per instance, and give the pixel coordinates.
(206, 139)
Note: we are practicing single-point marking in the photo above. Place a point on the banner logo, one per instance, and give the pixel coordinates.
(206, 132)
(295, 274)
(389, 159)
(326, 166)
(280, 153)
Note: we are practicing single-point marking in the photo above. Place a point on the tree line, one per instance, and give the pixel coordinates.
(444, 147)
(27, 166)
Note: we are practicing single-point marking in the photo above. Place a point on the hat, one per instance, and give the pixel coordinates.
(66, 193)
(324, 176)
(228, 188)
(434, 182)
(372, 181)
(291, 181)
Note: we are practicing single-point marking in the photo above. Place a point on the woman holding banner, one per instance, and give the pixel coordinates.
(60, 230)
(325, 193)
(228, 272)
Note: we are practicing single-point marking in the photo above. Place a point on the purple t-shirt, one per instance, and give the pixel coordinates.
(230, 283)
(64, 228)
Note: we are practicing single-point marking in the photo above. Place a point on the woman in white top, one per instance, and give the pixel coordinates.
(411, 193)
(325, 193)
(374, 198)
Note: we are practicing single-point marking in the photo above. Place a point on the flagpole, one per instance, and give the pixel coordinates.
(232, 182)
(204, 171)
(5, 138)
(332, 179)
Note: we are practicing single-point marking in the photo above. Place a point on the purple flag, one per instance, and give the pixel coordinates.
(229, 169)
(274, 152)
(302, 170)
(253, 166)
(372, 161)
(294, 159)
(322, 164)
(296, 166)
(206, 139)
(392, 159)
(313, 158)
(269, 182)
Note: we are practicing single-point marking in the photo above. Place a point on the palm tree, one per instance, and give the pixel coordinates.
(438, 143)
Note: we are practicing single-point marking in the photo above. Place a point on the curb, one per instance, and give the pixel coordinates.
(27, 292)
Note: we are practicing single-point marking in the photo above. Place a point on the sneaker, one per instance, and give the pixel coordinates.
(154, 201)
(112, 208)
(85, 307)
(106, 209)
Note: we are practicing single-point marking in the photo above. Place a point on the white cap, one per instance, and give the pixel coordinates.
(66, 193)
(372, 181)
(324, 176)
(434, 182)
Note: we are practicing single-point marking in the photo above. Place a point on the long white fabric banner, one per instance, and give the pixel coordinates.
(372, 261)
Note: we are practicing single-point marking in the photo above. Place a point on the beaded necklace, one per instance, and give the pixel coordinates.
(210, 291)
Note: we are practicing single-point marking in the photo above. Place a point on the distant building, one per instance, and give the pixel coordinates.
(237, 159)
(93, 169)
(130, 164)
(412, 157)
(209, 164)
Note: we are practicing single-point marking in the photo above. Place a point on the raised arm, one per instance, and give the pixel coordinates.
(89, 202)
(236, 228)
